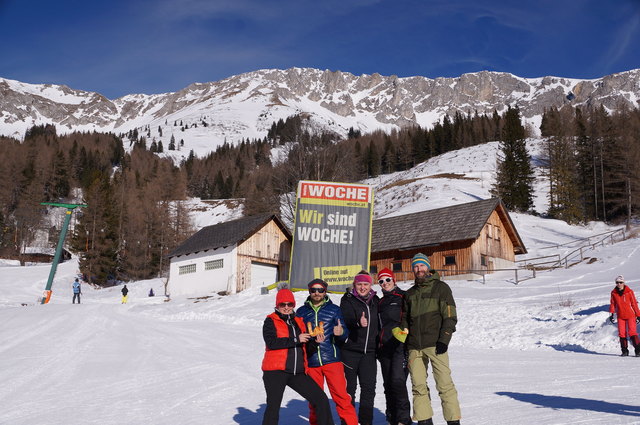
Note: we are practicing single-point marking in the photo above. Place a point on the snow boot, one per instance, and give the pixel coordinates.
(636, 344)
(453, 422)
(426, 422)
(624, 345)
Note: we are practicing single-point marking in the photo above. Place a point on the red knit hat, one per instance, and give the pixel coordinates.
(386, 273)
(285, 296)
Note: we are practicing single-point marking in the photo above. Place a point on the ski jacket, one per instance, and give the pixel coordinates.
(283, 349)
(76, 287)
(361, 339)
(328, 313)
(390, 313)
(125, 291)
(624, 304)
(429, 312)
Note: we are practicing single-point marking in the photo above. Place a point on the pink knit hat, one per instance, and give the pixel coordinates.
(362, 278)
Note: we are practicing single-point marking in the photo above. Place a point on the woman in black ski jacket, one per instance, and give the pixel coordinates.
(359, 307)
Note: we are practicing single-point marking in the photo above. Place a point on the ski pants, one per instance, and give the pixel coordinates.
(275, 382)
(74, 298)
(418, 364)
(393, 364)
(333, 373)
(124, 299)
(361, 368)
(627, 324)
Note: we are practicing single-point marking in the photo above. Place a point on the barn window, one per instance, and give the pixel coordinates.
(397, 267)
(373, 269)
(189, 268)
(489, 233)
(213, 264)
(483, 260)
(496, 233)
(449, 260)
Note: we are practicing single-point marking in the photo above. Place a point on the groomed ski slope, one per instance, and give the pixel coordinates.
(541, 352)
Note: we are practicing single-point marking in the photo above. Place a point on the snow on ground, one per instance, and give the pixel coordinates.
(539, 352)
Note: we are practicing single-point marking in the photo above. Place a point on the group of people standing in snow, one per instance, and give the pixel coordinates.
(341, 345)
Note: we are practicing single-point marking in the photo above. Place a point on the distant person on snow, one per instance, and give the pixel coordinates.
(76, 291)
(124, 291)
(285, 361)
(151, 293)
(625, 305)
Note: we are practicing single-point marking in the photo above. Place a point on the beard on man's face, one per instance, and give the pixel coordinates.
(421, 276)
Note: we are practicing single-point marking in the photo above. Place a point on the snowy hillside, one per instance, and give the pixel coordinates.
(540, 352)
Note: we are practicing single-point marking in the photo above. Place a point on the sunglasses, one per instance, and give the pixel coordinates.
(619, 283)
(387, 280)
(318, 290)
(283, 305)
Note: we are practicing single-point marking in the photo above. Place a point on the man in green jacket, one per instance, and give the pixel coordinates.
(428, 322)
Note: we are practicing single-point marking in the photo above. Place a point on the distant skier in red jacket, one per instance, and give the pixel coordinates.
(625, 305)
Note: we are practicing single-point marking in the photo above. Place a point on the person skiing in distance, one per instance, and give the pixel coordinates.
(324, 362)
(392, 353)
(124, 291)
(625, 305)
(359, 307)
(77, 290)
(285, 361)
(428, 321)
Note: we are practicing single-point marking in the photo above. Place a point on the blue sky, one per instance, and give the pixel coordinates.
(154, 46)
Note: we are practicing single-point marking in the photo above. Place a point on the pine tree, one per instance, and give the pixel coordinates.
(561, 164)
(514, 179)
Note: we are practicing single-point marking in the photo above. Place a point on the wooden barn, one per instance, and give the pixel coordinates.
(463, 240)
(230, 257)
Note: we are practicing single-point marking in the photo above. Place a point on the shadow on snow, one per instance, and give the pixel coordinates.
(592, 310)
(560, 402)
(296, 412)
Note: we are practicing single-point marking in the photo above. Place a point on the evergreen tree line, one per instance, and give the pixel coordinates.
(135, 212)
(591, 159)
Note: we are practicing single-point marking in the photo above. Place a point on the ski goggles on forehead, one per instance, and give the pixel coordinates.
(385, 280)
(318, 290)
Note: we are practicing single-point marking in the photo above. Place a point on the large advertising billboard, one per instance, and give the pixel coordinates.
(331, 234)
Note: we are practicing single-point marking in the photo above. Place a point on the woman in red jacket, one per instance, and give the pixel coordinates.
(285, 361)
(625, 305)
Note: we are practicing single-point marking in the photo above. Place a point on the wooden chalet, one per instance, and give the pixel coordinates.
(463, 240)
(232, 256)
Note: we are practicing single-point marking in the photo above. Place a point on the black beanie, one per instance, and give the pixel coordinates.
(318, 282)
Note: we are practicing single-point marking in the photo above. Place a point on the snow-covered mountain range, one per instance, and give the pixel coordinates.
(205, 115)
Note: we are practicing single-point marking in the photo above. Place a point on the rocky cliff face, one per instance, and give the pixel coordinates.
(245, 105)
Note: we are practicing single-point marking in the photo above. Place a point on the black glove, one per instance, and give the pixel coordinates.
(611, 319)
(441, 347)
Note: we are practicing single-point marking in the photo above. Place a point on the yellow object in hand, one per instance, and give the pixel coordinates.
(317, 331)
(400, 334)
